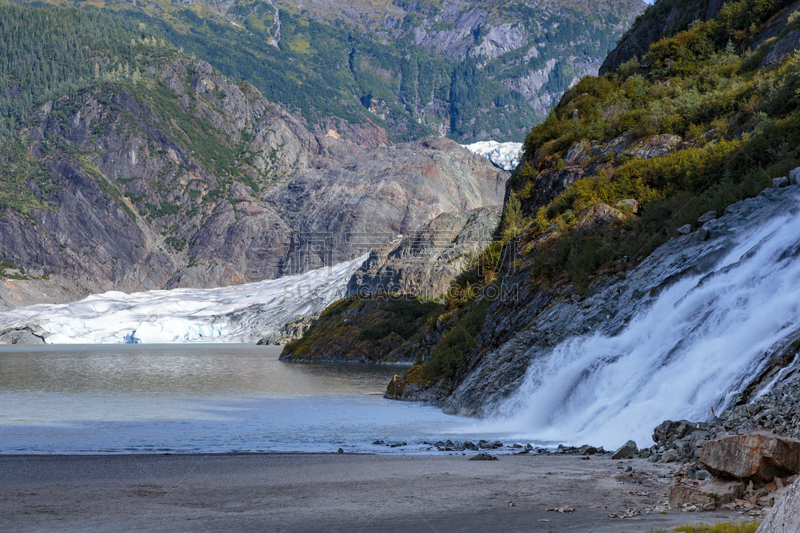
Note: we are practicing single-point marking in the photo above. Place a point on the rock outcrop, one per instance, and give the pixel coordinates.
(415, 386)
(757, 457)
(426, 261)
(369, 329)
(664, 20)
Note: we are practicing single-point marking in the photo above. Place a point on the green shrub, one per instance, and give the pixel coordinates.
(449, 353)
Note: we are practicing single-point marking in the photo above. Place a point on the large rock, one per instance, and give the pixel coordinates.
(785, 515)
(757, 457)
(627, 451)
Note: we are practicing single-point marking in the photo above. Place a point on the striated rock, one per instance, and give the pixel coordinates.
(788, 45)
(424, 262)
(550, 183)
(25, 334)
(785, 515)
(373, 196)
(757, 457)
(578, 153)
(291, 331)
(626, 451)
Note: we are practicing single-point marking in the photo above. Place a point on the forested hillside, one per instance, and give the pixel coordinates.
(385, 72)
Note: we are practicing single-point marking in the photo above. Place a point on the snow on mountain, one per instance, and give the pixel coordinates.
(503, 155)
(241, 313)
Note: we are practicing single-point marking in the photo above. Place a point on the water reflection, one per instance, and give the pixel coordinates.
(189, 398)
(180, 369)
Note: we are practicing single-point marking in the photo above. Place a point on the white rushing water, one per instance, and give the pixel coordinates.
(186, 315)
(702, 341)
(503, 155)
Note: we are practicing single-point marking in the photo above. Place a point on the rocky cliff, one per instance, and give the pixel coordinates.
(425, 262)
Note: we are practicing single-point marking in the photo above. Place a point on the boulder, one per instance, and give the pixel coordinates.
(669, 456)
(629, 204)
(711, 215)
(757, 457)
(794, 176)
(705, 495)
(627, 451)
(669, 430)
(777, 183)
(685, 229)
(785, 515)
(598, 217)
(587, 450)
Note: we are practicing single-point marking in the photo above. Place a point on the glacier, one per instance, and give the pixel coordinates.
(240, 313)
(503, 155)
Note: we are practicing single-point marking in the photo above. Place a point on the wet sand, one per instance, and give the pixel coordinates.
(333, 492)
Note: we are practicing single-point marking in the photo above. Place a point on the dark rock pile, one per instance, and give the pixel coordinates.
(777, 411)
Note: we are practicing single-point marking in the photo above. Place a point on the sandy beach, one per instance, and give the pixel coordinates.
(334, 492)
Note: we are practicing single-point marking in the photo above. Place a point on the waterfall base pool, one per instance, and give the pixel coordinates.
(205, 398)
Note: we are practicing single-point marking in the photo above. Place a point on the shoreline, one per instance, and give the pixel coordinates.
(335, 492)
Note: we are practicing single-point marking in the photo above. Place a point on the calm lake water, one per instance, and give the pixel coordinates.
(204, 398)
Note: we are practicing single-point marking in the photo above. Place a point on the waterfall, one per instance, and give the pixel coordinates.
(695, 347)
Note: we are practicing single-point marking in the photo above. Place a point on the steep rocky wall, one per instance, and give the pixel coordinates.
(425, 262)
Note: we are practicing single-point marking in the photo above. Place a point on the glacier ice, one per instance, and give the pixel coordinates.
(240, 313)
(503, 155)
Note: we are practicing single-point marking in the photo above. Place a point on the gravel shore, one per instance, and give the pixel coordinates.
(336, 492)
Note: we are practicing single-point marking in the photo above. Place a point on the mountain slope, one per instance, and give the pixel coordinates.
(378, 71)
(155, 171)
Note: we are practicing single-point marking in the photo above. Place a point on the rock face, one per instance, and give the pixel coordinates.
(785, 515)
(26, 334)
(380, 193)
(758, 457)
(627, 451)
(132, 198)
(425, 262)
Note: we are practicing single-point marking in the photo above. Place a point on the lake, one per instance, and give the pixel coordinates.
(211, 398)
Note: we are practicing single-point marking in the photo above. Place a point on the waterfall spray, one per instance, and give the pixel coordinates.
(698, 344)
